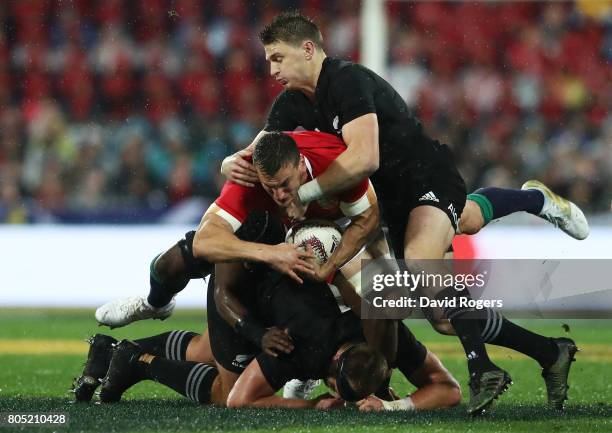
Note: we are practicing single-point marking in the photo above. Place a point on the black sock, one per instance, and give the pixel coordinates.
(466, 322)
(170, 345)
(498, 330)
(192, 379)
(160, 292)
(499, 202)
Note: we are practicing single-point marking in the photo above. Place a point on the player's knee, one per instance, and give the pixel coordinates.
(218, 394)
(198, 350)
(421, 249)
(170, 264)
(453, 389)
(469, 226)
(443, 327)
(454, 395)
(235, 400)
(471, 220)
(450, 391)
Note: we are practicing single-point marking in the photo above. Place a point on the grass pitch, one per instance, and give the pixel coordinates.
(42, 350)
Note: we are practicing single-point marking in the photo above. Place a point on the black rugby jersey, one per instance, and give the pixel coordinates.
(313, 319)
(347, 90)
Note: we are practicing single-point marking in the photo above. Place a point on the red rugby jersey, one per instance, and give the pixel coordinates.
(319, 150)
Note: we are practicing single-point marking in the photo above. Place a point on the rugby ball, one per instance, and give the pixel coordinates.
(321, 236)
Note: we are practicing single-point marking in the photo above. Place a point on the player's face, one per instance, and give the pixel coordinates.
(288, 64)
(283, 186)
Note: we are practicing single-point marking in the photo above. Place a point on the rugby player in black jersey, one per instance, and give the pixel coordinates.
(495, 328)
(315, 341)
(323, 344)
(421, 193)
(310, 338)
(318, 330)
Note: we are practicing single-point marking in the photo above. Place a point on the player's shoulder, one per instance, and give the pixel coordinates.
(344, 80)
(232, 190)
(336, 65)
(294, 97)
(341, 68)
(229, 192)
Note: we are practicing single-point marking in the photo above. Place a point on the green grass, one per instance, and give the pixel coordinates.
(39, 383)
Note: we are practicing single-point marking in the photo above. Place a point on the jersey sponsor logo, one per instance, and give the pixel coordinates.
(241, 361)
(430, 196)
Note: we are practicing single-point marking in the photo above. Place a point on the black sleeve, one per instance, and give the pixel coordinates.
(353, 90)
(277, 370)
(282, 115)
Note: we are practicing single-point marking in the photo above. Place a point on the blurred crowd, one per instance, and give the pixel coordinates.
(131, 105)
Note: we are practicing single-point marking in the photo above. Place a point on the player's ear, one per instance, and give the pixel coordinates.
(302, 168)
(309, 49)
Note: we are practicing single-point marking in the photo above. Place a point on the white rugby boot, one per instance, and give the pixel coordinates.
(124, 311)
(561, 212)
(300, 389)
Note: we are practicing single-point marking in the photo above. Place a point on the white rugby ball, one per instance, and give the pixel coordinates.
(321, 236)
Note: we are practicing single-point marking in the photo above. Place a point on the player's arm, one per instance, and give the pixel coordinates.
(238, 169)
(365, 219)
(216, 242)
(357, 162)
(229, 279)
(437, 389)
(353, 92)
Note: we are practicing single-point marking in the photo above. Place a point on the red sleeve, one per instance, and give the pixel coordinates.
(353, 194)
(238, 201)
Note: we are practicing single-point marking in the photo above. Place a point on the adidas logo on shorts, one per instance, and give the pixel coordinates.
(430, 196)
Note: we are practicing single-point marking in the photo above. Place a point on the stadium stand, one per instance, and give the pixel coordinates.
(118, 111)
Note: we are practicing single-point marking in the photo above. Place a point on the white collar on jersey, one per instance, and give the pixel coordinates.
(308, 167)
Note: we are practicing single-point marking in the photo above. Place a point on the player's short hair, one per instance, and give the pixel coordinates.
(273, 151)
(292, 28)
(361, 371)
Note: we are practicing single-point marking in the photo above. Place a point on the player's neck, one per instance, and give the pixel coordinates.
(309, 90)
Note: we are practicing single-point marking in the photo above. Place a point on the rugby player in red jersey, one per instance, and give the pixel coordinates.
(230, 211)
(311, 153)
(278, 186)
